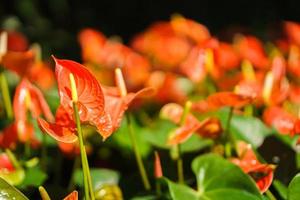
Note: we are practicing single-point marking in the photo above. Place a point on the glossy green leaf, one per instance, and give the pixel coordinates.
(159, 132)
(217, 179)
(100, 177)
(8, 192)
(247, 128)
(280, 188)
(294, 188)
(145, 198)
(15, 177)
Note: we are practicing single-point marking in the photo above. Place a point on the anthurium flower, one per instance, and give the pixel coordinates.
(169, 87)
(90, 103)
(117, 99)
(280, 119)
(191, 29)
(5, 163)
(294, 61)
(29, 98)
(162, 45)
(158, 173)
(210, 127)
(109, 54)
(247, 161)
(16, 41)
(221, 99)
(250, 48)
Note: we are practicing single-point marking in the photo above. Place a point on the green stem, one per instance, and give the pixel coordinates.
(13, 159)
(180, 166)
(27, 149)
(6, 96)
(137, 154)
(158, 188)
(270, 195)
(228, 136)
(88, 189)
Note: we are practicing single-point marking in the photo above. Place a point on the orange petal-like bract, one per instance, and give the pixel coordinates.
(158, 173)
(222, 99)
(247, 161)
(5, 163)
(72, 196)
(292, 30)
(90, 96)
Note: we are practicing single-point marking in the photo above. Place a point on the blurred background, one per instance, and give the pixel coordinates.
(54, 24)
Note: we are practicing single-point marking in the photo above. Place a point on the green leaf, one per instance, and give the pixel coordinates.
(247, 128)
(99, 177)
(8, 192)
(150, 197)
(280, 188)
(217, 179)
(158, 134)
(34, 177)
(294, 188)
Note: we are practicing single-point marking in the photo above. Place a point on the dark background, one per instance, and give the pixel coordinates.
(55, 23)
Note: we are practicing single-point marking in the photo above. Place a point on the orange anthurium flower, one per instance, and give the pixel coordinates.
(280, 119)
(221, 99)
(111, 54)
(162, 45)
(117, 99)
(292, 30)
(247, 161)
(294, 93)
(250, 48)
(210, 127)
(191, 29)
(72, 196)
(90, 103)
(168, 86)
(226, 56)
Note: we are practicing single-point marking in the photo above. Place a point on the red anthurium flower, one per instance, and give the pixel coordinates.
(117, 99)
(250, 48)
(5, 164)
(280, 119)
(28, 97)
(90, 103)
(210, 127)
(16, 41)
(294, 93)
(247, 161)
(292, 30)
(190, 29)
(72, 196)
(226, 56)
(222, 99)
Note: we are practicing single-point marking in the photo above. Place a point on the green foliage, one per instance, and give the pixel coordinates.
(8, 192)
(217, 178)
(294, 188)
(34, 177)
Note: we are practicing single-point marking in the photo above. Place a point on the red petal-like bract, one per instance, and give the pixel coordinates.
(158, 173)
(18, 62)
(247, 161)
(28, 97)
(250, 48)
(5, 163)
(72, 196)
(280, 119)
(90, 97)
(292, 30)
(115, 105)
(210, 127)
(222, 99)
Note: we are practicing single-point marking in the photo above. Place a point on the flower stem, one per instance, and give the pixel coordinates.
(270, 195)
(44, 194)
(76, 165)
(137, 154)
(88, 189)
(228, 136)
(6, 96)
